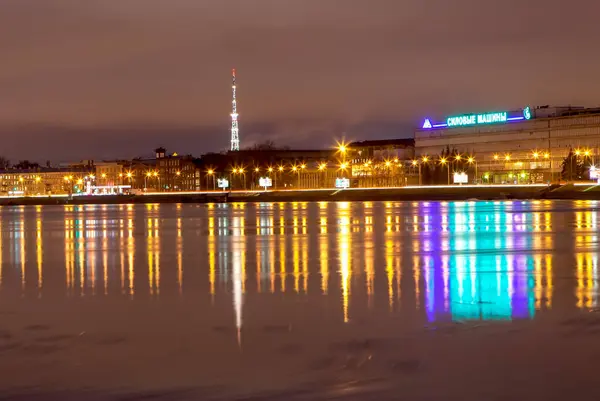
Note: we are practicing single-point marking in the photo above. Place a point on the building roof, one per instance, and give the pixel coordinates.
(401, 142)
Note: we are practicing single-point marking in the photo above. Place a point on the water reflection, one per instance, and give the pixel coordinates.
(444, 260)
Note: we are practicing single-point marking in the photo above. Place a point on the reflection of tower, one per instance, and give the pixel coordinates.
(235, 132)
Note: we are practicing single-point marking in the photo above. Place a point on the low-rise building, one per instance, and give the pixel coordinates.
(44, 181)
(525, 145)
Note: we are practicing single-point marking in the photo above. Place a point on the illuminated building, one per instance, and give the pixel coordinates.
(43, 181)
(524, 146)
(178, 173)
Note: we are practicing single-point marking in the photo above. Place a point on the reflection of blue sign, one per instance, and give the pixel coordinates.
(223, 183)
(466, 120)
(342, 183)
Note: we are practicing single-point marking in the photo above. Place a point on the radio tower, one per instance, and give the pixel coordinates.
(235, 132)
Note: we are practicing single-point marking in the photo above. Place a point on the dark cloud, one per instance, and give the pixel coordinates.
(118, 77)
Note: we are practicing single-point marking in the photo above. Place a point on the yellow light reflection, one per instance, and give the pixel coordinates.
(345, 250)
(38, 251)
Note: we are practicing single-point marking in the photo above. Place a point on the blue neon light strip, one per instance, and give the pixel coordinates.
(515, 118)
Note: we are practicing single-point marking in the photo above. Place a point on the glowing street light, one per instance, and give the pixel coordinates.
(103, 175)
(536, 155)
(280, 169)
(496, 157)
(178, 173)
(425, 159)
(444, 162)
(388, 163)
(546, 155)
(507, 157)
(322, 166)
(270, 169)
(294, 169)
(129, 174)
(471, 160)
(303, 166)
(256, 169)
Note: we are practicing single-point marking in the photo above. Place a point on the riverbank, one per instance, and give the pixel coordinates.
(466, 192)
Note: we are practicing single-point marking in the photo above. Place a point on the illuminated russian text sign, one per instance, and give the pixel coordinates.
(467, 120)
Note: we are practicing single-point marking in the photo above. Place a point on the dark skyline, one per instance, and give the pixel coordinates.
(102, 79)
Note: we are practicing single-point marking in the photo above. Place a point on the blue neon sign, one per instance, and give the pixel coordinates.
(467, 120)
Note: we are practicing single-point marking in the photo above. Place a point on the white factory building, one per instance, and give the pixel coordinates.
(525, 145)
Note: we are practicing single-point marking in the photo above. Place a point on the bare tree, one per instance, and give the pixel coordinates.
(4, 163)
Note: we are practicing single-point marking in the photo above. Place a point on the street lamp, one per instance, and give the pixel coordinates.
(210, 173)
(342, 148)
(148, 175)
(444, 162)
(471, 160)
(322, 167)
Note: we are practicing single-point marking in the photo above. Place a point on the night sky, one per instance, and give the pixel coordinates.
(115, 78)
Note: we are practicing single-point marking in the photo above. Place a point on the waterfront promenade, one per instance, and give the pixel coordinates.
(409, 193)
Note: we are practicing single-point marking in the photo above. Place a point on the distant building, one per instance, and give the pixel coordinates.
(381, 150)
(380, 163)
(44, 180)
(525, 145)
(109, 173)
(287, 168)
(177, 173)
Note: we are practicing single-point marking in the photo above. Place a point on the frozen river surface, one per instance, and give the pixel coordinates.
(301, 301)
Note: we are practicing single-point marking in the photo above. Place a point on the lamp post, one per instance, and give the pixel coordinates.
(424, 160)
(129, 175)
(210, 173)
(471, 160)
(302, 169)
(322, 168)
(178, 179)
(270, 170)
(148, 175)
(444, 162)
(415, 163)
(297, 171)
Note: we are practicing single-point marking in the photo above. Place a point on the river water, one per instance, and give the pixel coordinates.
(346, 300)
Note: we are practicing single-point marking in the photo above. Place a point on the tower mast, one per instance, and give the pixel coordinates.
(235, 132)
